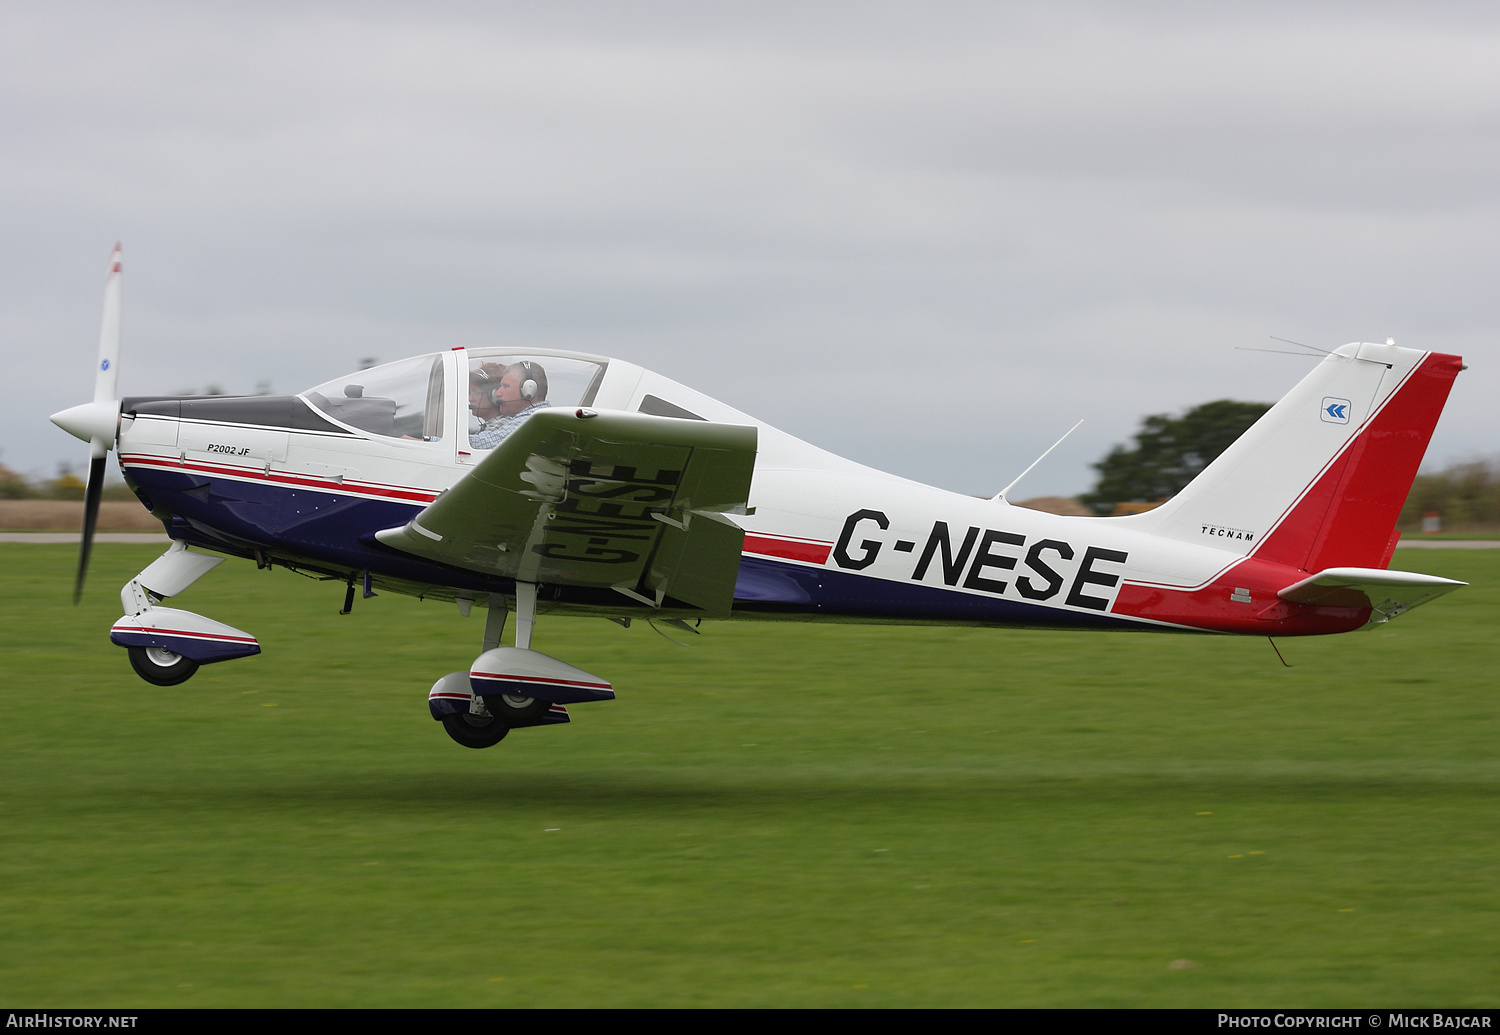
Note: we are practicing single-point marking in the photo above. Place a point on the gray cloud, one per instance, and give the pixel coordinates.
(1049, 211)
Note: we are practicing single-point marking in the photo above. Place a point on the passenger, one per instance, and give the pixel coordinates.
(483, 382)
(503, 398)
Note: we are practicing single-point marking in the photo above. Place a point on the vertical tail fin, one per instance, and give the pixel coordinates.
(1319, 481)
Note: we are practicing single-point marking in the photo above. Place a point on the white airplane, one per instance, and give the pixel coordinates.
(557, 483)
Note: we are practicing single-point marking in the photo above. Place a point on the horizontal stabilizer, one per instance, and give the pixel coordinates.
(1387, 593)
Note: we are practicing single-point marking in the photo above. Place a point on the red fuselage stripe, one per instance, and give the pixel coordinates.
(350, 488)
(812, 552)
(544, 680)
(180, 632)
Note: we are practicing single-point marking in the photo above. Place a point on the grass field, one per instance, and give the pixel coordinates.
(779, 815)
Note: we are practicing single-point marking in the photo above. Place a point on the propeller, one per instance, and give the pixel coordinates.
(98, 422)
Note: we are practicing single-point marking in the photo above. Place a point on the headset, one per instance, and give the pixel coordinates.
(528, 386)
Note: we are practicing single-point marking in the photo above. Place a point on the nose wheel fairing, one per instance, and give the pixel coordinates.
(155, 635)
(194, 637)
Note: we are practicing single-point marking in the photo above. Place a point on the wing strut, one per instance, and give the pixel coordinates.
(525, 613)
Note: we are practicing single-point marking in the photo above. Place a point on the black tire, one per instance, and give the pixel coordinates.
(514, 709)
(160, 666)
(475, 731)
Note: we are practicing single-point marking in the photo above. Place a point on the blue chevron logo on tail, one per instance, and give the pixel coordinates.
(1335, 411)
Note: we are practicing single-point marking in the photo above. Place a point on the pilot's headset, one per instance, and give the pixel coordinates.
(529, 387)
(534, 381)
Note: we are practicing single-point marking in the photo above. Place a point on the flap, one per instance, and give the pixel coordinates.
(1389, 593)
(604, 499)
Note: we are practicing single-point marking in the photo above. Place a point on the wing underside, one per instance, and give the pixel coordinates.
(624, 501)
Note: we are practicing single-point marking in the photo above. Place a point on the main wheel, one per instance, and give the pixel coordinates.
(161, 666)
(475, 731)
(514, 709)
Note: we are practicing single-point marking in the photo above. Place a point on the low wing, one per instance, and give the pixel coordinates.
(1389, 593)
(623, 501)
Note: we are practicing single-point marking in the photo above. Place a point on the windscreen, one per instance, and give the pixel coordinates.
(399, 400)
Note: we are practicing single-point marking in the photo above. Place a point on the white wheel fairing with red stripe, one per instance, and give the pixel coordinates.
(529, 673)
(591, 486)
(194, 637)
(452, 694)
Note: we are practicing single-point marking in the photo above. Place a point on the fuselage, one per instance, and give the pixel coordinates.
(306, 481)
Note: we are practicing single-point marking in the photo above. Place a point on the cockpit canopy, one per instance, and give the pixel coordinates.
(504, 388)
(406, 399)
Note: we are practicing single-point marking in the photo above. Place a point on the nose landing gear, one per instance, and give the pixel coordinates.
(167, 645)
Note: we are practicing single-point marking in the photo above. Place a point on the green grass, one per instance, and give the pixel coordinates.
(779, 815)
(1478, 533)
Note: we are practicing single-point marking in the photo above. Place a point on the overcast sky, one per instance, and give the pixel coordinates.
(929, 236)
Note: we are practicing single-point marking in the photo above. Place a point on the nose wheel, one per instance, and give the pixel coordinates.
(161, 666)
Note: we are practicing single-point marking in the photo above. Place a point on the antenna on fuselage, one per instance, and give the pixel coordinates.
(1284, 352)
(1000, 496)
(1303, 344)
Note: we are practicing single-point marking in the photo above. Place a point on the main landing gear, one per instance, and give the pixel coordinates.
(510, 687)
(480, 729)
(490, 718)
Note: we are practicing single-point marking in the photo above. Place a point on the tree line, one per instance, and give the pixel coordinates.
(1169, 451)
(1467, 495)
(66, 486)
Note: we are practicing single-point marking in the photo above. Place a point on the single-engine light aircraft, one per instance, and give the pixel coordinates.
(555, 483)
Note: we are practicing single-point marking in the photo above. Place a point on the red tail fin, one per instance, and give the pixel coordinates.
(1347, 517)
(1319, 481)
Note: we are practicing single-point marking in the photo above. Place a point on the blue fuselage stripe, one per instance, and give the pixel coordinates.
(334, 533)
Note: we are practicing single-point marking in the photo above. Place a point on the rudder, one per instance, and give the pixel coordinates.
(1319, 481)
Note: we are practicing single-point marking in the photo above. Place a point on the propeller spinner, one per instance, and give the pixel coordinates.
(98, 422)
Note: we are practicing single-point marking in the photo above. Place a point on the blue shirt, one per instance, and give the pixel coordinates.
(497, 429)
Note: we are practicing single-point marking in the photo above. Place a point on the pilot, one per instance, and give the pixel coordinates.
(503, 398)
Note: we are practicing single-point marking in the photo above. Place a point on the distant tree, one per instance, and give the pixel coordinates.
(13, 486)
(1169, 452)
(66, 486)
(1467, 495)
(117, 491)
